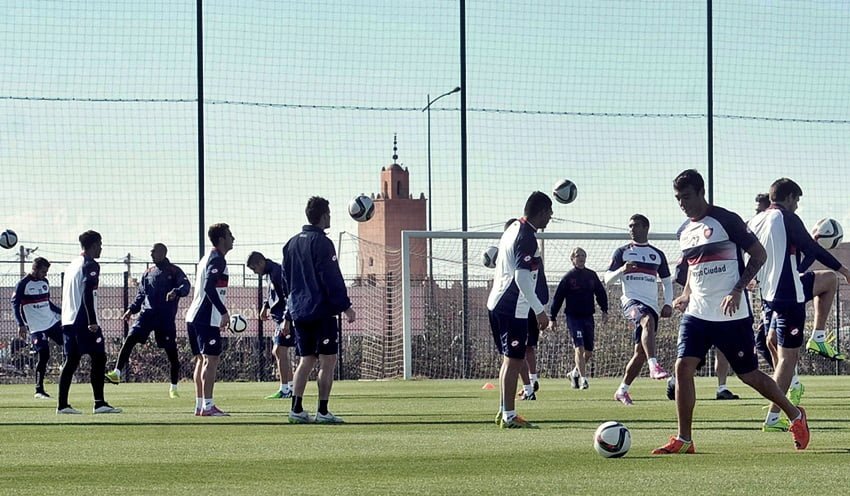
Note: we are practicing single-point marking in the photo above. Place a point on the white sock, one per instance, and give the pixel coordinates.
(508, 414)
(208, 403)
(289, 385)
(653, 362)
(795, 381)
(117, 372)
(819, 336)
(533, 377)
(283, 388)
(174, 387)
(624, 388)
(772, 418)
(528, 389)
(199, 403)
(721, 388)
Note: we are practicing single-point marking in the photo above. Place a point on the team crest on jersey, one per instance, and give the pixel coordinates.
(334, 258)
(93, 273)
(514, 344)
(527, 258)
(214, 271)
(652, 256)
(707, 232)
(326, 341)
(795, 331)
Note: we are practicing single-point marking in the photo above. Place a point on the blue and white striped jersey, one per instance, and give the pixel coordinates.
(785, 239)
(210, 294)
(32, 305)
(518, 268)
(79, 292)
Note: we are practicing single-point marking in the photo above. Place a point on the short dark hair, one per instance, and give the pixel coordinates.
(509, 223)
(162, 245)
(40, 262)
(254, 257)
(88, 238)
(763, 199)
(690, 178)
(536, 203)
(782, 188)
(640, 218)
(217, 231)
(316, 208)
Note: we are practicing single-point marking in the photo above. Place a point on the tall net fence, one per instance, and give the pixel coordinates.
(104, 127)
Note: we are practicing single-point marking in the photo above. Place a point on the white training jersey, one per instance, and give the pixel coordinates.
(519, 257)
(32, 305)
(210, 295)
(79, 291)
(640, 280)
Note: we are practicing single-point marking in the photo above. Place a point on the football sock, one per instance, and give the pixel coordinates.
(680, 438)
(772, 418)
(296, 404)
(624, 388)
(174, 387)
(721, 388)
(795, 381)
(117, 372)
(653, 362)
(323, 407)
(283, 388)
(528, 389)
(99, 403)
(208, 403)
(799, 416)
(819, 336)
(507, 415)
(533, 377)
(199, 403)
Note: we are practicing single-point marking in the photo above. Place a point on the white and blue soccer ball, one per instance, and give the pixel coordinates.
(8, 239)
(361, 208)
(238, 322)
(565, 191)
(612, 440)
(488, 257)
(828, 233)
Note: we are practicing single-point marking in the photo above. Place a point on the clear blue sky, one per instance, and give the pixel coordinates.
(98, 112)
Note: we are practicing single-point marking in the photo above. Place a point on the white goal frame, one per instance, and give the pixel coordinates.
(407, 236)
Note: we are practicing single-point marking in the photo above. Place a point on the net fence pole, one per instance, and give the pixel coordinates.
(407, 348)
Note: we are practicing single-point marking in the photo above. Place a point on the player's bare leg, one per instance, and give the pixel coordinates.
(721, 369)
(824, 290)
(633, 369)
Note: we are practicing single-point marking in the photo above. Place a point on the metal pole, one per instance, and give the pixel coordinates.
(430, 201)
(199, 14)
(709, 103)
(463, 193)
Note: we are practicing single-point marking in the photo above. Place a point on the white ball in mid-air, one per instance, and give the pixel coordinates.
(828, 233)
(488, 256)
(361, 208)
(8, 239)
(565, 191)
(612, 440)
(238, 323)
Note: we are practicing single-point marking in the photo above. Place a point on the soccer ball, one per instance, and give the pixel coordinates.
(238, 323)
(488, 257)
(612, 440)
(8, 239)
(361, 208)
(565, 191)
(827, 232)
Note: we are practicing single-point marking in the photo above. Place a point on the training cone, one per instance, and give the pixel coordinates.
(488, 385)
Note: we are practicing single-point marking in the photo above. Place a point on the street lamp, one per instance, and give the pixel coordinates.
(427, 110)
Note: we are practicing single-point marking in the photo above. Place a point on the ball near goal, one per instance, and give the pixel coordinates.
(8, 239)
(565, 191)
(361, 208)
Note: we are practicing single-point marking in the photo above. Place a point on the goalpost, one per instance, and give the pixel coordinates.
(432, 293)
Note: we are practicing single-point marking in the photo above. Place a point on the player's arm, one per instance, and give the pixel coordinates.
(54, 308)
(17, 296)
(681, 302)
(91, 279)
(601, 294)
(666, 285)
(215, 273)
(183, 285)
(525, 263)
(558, 300)
(811, 249)
(615, 268)
(136, 305)
(331, 279)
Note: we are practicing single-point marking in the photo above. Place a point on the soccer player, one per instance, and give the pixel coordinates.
(38, 318)
(640, 265)
(577, 289)
(514, 293)
(784, 237)
(317, 295)
(716, 311)
(274, 306)
(160, 290)
(80, 329)
(207, 318)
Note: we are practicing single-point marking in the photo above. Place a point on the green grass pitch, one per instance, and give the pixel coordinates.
(420, 437)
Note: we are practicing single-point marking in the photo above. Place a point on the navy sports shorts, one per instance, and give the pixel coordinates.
(634, 311)
(79, 340)
(281, 339)
(316, 337)
(734, 338)
(204, 339)
(41, 340)
(510, 334)
(533, 330)
(581, 330)
(788, 320)
(165, 332)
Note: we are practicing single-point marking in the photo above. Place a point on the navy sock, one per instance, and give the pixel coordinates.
(323, 407)
(296, 404)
